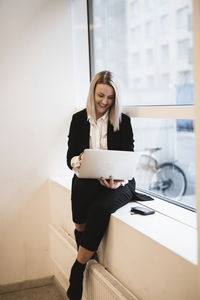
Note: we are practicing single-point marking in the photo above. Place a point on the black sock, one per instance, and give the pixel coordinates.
(75, 289)
(78, 235)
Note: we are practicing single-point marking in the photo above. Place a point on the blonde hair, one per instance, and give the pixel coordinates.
(104, 77)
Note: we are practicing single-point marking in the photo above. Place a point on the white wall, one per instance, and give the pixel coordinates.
(36, 100)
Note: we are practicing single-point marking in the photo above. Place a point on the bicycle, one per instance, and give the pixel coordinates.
(166, 178)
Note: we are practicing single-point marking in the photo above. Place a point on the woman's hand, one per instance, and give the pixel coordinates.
(111, 184)
(80, 157)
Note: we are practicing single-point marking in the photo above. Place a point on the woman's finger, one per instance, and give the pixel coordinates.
(111, 182)
(104, 182)
(119, 181)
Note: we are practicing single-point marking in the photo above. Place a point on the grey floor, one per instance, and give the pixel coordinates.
(48, 292)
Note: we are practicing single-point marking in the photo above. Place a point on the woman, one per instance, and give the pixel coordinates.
(100, 125)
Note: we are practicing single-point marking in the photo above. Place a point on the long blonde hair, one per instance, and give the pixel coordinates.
(105, 77)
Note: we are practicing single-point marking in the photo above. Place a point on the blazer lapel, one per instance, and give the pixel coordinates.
(113, 138)
(85, 131)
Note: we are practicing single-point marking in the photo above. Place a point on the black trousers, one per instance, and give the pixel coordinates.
(93, 203)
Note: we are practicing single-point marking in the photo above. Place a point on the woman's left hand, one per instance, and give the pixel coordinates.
(111, 184)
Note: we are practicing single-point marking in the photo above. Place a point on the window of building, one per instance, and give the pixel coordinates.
(160, 97)
(149, 30)
(164, 80)
(148, 4)
(183, 50)
(136, 60)
(184, 89)
(182, 17)
(134, 8)
(164, 54)
(136, 34)
(150, 81)
(149, 57)
(164, 24)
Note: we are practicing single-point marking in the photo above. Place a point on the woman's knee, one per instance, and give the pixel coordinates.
(80, 227)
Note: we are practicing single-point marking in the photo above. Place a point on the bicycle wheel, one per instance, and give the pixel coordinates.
(169, 181)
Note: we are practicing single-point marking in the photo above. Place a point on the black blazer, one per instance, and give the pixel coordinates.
(79, 135)
(122, 139)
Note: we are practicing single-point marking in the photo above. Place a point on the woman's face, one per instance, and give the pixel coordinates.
(104, 97)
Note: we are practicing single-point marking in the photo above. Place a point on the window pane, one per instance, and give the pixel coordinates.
(182, 17)
(164, 24)
(167, 162)
(145, 40)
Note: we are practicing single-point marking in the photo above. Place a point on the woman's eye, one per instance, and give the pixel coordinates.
(100, 96)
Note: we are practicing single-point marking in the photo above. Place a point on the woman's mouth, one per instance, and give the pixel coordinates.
(102, 105)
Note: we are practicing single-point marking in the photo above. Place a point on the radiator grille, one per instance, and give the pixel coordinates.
(99, 284)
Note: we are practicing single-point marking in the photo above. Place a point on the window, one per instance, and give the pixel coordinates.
(136, 34)
(185, 77)
(134, 8)
(149, 30)
(184, 90)
(122, 35)
(165, 167)
(136, 60)
(183, 50)
(164, 24)
(149, 57)
(182, 17)
(164, 54)
(164, 80)
(148, 4)
(152, 59)
(150, 81)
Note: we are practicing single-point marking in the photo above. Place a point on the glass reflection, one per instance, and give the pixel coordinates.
(149, 49)
(167, 163)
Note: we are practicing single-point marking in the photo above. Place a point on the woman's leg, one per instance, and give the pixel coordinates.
(75, 289)
(78, 231)
(99, 210)
(76, 277)
(83, 193)
(107, 202)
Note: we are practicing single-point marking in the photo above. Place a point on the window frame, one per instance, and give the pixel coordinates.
(189, 111)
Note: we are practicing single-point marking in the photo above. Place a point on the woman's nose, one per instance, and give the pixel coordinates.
(104, 101)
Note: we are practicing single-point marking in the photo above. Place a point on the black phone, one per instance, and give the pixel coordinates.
(142, 210)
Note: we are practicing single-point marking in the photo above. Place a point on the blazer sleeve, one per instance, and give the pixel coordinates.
(126, 134)
(73, 148)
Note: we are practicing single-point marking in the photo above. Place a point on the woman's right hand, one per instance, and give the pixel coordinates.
(111, 183)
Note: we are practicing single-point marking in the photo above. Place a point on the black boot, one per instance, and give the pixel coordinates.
(75, 289)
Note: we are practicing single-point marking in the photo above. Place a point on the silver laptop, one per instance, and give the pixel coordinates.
(105, 163)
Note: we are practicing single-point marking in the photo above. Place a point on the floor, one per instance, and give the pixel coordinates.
(48, 292)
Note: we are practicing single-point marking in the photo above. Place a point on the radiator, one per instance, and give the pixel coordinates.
(99, 284)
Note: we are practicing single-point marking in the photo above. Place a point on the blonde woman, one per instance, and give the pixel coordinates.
(100, 126)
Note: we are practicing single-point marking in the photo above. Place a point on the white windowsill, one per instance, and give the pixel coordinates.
(171, 226)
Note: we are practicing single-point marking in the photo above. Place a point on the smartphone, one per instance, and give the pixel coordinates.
(142, 210)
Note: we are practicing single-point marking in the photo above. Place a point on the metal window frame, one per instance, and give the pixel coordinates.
(168, 111)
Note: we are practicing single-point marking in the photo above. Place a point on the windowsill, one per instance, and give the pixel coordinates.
(171, 226)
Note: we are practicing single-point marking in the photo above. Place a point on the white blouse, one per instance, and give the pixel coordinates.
(98, 138)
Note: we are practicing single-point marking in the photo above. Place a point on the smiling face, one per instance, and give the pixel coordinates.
(104, 97)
